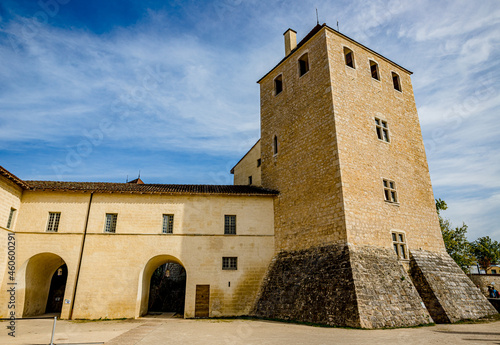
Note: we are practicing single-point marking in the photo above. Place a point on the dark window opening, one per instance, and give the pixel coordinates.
(382, 129)
(396, 81)
(278, 85)
(229, 263)
(374, 70)
(229, 225)
(303, 64)
(249, 180)
(259, 162)
(349, 57)
(390, 194)
(275, 145)
(399, 244)
(168, 224)
(167, 289)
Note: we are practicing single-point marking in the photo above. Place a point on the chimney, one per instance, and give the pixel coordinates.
(290, 41)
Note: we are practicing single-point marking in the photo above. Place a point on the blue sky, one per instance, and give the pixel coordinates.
(98, 90)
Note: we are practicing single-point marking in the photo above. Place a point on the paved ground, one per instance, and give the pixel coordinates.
(156, 331)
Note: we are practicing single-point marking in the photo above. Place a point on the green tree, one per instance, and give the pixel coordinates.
(486, 251)
(455, 239)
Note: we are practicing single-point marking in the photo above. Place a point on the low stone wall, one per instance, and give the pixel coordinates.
(485, 280)
(343, 286)
(495, 302)
(447, 292)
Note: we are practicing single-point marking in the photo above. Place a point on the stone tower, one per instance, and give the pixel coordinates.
(357, 237)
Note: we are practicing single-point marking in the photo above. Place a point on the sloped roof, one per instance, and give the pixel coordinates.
(4, 172)
(133, 188)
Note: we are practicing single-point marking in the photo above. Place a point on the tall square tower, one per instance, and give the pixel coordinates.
(358, 241)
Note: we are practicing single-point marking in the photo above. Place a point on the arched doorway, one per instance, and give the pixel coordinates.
(167, 289)
(162, 286)
(56, 290)
(44, 284)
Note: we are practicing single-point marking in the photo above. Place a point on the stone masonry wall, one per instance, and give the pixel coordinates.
(309, 210)
(342, 286)
(313, 285)
(447, 292)
(385, 293)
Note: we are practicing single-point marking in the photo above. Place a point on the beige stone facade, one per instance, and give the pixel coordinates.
(116, 268)
(333, 209)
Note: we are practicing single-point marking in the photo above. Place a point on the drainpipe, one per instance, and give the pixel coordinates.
(80, 258)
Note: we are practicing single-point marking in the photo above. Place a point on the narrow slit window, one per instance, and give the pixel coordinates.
(259, 162)
(53, 223)
(349, 57)
(278, 84)
(168, 224)
(249, 180)
(396, 81)
(11, 217)
(382, 129)
(229, 263)
(390, 194)
(110, 225)
(303, 64)
(275, 145)
(399, 244)
(374, 70)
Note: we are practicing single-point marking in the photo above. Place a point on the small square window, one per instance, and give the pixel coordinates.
(382, 129)
(53, 223)
(110, 225)
(229, 225)
(229, 263)
(396, 81)
(399, 244)
(374, 70)
(493, 271)
(390, 194)
(278, 84)
(11, 217)
(303, 64)
(168, 224)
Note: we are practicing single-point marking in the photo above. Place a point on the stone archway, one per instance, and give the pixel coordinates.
(40, 274)
(156, 265)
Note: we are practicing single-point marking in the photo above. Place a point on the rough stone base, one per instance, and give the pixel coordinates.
(385, 293)
(343, 286)
(447, 292)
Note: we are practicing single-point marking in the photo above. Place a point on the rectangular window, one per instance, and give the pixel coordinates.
(493, 271)
(382, 129)
(399, 244)
(349, 57)
(396, 81)
(259, 162)
(249, 180)
(374, 70)
(229, 263)
(53, 224)
(110, 225)
(168, 224)
(303, 64)
(11, 217)
(278, 85)
(390, 193)
(229, 225)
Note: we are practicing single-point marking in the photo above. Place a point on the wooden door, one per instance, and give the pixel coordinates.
(201, 308)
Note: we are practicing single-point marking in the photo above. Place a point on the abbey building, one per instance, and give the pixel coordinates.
(331, 218)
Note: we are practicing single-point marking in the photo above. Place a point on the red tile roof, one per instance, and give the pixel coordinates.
(4, 172)
(136, 187)
(105, 187)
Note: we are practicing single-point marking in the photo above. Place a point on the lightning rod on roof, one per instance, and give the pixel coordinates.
(338, 26)
(317, 18)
